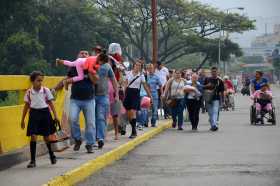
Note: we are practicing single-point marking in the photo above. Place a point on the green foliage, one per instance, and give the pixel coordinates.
(187, 62)
(20, 50)
(34, 33)
(10, 99)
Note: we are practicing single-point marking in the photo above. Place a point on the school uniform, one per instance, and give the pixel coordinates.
(132, 97)
(40, 119)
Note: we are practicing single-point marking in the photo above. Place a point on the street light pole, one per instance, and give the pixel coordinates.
(154, 32)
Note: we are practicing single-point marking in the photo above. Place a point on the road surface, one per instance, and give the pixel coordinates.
(237, 155)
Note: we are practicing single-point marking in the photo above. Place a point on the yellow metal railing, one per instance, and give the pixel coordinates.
(12, 137)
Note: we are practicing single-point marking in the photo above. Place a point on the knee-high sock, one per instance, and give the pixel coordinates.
(50, 150)
(133, 126)
(33, 150)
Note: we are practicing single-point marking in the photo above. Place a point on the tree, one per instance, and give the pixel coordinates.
(180, 24)
(20, 51)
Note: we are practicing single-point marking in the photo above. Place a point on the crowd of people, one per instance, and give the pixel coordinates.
(101, 85)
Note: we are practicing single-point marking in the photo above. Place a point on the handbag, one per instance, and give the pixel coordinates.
(59, 140)
(172, 102)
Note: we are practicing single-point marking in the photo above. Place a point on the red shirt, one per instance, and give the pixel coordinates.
(229, 84)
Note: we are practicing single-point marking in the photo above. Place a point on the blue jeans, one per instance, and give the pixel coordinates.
(101, 113)
(177, 112)
(213, 112)
(143, 116)
(154, 109)
(88, 108)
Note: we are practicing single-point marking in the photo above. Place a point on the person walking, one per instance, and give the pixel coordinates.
(214, 87)
(38, 100)
(82, 99)
(201, 79)
(134, 80)
(163, 73)
(193, 101)
(174, 91)
(105, 74)
(154, 82)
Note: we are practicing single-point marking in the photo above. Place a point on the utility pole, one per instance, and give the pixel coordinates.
(154, 32)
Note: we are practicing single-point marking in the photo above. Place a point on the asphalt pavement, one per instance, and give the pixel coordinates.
(239, 154)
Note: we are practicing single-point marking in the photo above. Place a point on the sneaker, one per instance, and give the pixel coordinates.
(77, 145)
(214, 129)
(100, 144)
(32, 164)
(140, 127)
(89, 148)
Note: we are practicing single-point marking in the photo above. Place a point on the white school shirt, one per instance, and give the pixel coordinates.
(37, 99)
(162, 74)
(137, 82)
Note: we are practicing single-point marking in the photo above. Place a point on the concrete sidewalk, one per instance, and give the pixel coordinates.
(68, 160)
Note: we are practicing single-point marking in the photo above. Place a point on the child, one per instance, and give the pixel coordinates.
(38, 100)
(263, 99)
(81, 64)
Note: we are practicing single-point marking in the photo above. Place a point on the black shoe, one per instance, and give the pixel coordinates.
(53, 160)
(180, 128)
(100, 144)
(77, 145)
(32, 164)
(146, 125)
(173, 125)
(89, 148)
(132, 136)
(214, 129)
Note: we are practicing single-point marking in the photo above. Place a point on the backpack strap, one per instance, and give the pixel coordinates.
(28, 96)
(44, 92)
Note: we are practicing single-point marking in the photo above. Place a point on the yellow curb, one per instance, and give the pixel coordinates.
(80, 173)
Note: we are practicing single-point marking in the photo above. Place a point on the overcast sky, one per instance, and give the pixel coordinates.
(265, 12)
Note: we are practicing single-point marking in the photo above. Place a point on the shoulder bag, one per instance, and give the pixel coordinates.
(172, 102)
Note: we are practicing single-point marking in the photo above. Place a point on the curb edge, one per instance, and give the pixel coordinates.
(85, 170)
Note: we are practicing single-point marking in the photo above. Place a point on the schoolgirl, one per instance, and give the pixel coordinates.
(134, 79)
(38, 102)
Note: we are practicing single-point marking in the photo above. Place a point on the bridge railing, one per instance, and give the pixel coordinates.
(12, 137)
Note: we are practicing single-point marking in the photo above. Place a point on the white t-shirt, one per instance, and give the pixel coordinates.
(136, 84)
(162, 74)
(38, 99)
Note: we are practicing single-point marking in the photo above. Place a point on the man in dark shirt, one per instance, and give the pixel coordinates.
(215, 84)
(82, 99)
